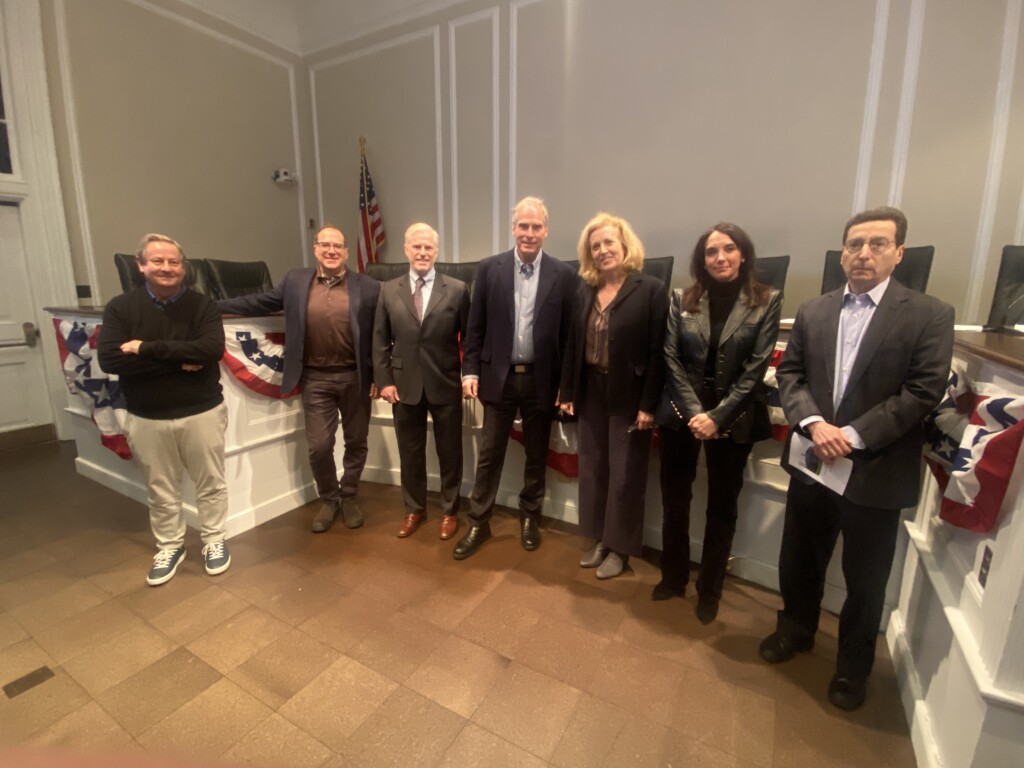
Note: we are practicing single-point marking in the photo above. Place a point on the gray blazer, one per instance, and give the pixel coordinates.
(292, 295)
(421, 359)
(899, 376)
(744, 351)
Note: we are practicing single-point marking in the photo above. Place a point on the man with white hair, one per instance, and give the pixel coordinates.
(420, 317)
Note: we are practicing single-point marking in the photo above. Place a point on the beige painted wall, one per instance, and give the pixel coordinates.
(177, 131)
(679, 114)
(674, 114)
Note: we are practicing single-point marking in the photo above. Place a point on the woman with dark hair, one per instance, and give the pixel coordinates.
(720, 337)
(612, 379)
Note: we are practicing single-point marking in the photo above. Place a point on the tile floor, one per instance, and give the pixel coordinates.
(355, 648)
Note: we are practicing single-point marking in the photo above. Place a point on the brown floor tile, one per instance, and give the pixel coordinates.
(529, 709)
(27, 587)
(592, 730)
(338, 701)
(397, 646)
(22, 657)
(638, 682)
(46, 611)
(295, 600)
(497, 625)
(642, 744)
(86, 729)
(562, 651)
(346, 621)
(407, 729)
(351, 568)
(24, 563)
(40, 707)
(733, 720)
(197, 614)
(149, 602)
(457, 675)
(276, 743)
(829, 737)
(284, 667)
(444, 608)
(112, 551)
(208, 724)
(405, 583)
(148, 696)
(238, 639)
(588, 607)
(252, 583)
(107, 664)
(482, 749)
(11, 631)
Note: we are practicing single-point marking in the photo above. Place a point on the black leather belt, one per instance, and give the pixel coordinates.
(522, 368)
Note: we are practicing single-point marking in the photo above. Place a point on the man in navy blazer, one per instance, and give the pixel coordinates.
(518, 324)
(864, 365)
(328, 323)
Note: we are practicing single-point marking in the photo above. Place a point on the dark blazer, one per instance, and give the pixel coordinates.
(421, 359)
(744, 352)
(488, 344)
(292, 295)
(636, 333)
(899, 376)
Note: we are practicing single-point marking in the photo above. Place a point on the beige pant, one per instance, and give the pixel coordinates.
(163, 449)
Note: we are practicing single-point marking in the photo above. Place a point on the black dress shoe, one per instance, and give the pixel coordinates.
(529, 532)
(777, 647)
(471, 542)
(847, 693)
(665, 591)
(707, 609)
(325, 517)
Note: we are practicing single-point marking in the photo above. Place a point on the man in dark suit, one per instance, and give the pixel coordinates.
(518, 323)
(328, 323)
(864, 365)
(420, 317)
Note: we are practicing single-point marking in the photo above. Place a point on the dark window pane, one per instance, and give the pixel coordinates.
(5, 150)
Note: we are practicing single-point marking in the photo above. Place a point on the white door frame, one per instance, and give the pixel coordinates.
(35, 185)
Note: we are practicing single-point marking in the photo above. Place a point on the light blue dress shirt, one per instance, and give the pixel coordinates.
(525, 289)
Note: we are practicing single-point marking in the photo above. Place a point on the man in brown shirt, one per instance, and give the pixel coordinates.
(328, 314)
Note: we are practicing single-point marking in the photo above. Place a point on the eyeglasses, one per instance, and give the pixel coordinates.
(876, 244)
(330, 246)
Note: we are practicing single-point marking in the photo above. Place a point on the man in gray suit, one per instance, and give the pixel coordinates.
(420, 317)
(864, 365)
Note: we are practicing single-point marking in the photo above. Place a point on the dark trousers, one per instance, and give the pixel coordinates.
(613, 470)
(411, 432)
(815, 516)
(520, 395)
(324, 397)
(725, 462)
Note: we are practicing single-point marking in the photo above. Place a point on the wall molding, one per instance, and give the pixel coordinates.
(996, 158)
(908, 93)
(68, 98)
(453, 25)
(433, 32)
(869, 123)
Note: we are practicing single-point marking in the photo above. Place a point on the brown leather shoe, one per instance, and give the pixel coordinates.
(325, 517)
(409, 525)
(449, 525)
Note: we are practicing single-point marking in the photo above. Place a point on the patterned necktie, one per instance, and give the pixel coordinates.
(417, 298)
(526, 270)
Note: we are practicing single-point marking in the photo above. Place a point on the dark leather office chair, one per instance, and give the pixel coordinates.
(384, 271)
(1008, 298)
(460, 270)
(196, 275)
(238, 278)
(913, 271)
(771, 270)
(661, 268)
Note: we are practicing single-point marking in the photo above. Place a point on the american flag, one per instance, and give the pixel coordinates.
(371, 225)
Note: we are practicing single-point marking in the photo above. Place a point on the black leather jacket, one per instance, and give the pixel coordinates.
(744, 351)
